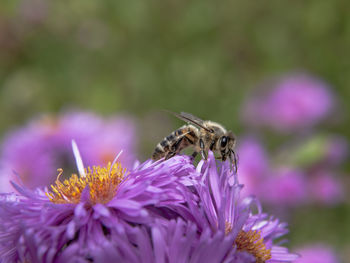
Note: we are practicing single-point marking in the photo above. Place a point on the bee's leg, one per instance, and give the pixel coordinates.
(174, 149)
(223, 156)
(169, 155)
(236, 165)
(194, 154)
(233, 161)
(201, 145)
(203, 155)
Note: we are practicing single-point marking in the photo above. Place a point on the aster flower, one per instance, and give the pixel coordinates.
(34, 152)
(162, 212)
(83, 211)
(296, 101)
(170, 241)
(254, 234)
(319, 253)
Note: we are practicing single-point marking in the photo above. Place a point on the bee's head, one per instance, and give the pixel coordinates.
(226, 144)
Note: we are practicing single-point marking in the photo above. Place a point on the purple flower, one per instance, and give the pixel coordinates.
(33, 11)
(252, 173)
(254, 234)
(35, 151)
(167, 211)
(276, 186)
(84, 211)
(319, 253)
(325, 188)
(296, 102)
(25, 153)
(287, 186)
(170, 241)
(337, 149)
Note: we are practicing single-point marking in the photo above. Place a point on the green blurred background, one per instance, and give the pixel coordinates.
(200, 56)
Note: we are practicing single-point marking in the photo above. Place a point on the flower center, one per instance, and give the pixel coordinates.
(251, 242)
(102, 182)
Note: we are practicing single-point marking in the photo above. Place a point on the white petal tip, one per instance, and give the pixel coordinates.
(114, 161)
(78, 159)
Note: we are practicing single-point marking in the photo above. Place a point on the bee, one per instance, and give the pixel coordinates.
(200, 135)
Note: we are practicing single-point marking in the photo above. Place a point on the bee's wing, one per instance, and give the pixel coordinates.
(189, 118)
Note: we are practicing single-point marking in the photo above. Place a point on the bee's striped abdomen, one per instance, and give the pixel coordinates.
(163, 147)
(173, 139)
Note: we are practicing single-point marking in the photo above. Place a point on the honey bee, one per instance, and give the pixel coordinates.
(201, 136)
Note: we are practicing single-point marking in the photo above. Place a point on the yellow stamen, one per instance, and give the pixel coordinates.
(102, 181)
(251, 242)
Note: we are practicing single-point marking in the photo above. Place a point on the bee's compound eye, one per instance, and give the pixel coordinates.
(223, 141)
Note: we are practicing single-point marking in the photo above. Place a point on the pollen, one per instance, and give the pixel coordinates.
(252, 243)
(102, 183)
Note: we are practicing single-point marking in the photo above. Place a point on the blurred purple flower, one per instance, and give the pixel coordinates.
(160, 212)
(337, 150)
(35, 151)
(99, 138)
(253, 165)
(325, 188)
(33, 11)
(277, 186)
(296, 102)
(287, 186)
(317, 254)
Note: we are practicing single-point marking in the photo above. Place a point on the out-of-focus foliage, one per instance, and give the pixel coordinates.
(204, 57)
(180, 55)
